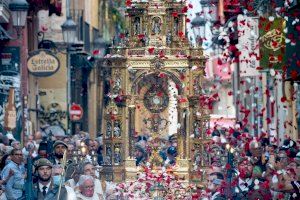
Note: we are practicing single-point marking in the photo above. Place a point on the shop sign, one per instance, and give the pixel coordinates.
(42, 63)
(248, 45)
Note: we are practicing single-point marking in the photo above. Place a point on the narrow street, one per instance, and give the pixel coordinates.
(149, 99)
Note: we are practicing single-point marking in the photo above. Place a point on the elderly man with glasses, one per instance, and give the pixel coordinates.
(89, 169)
(13, 176)
(87, 189)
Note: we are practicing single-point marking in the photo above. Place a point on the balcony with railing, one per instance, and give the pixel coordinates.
(4, 11)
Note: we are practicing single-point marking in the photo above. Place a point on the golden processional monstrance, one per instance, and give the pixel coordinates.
(152, 86)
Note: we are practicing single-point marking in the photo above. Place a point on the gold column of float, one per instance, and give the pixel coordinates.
(180, 131)
(92, 105)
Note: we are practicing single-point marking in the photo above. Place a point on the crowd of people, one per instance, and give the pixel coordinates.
(254, 168)
(56, 171)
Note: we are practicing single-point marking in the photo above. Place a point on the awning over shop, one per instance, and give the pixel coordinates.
(4, 34)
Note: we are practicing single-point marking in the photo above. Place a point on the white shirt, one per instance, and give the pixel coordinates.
(3, 196)
(71, 183)
(214, 195)
(71, 193)
(59, 162)
(41, 187)
(242, 184)
(98, 187)
(94, 197)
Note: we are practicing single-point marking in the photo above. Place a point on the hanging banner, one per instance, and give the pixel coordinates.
(248, 45)
(272, 43)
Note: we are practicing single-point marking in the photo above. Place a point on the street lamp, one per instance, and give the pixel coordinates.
(19, 10)
(198, 26)
(69, 30)
(100, 45)
(210, 9)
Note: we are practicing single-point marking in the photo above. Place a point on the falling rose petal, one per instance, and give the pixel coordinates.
(227, 166)
(162, 75)
(283, 99)
(121, 35)
(141, 36)
(151, 50)
(271, 18)
(294, 74)
(128, 3)
(182, 77)
(181, 34)
(184, 9)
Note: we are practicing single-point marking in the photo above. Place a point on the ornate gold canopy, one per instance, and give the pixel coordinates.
(153, 80)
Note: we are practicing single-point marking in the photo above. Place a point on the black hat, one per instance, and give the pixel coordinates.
(216, 133)
(265, 141)
(141, 137)
(288, 143)
(172, 151)
(43, 146)
(172, 137)
(236, 134)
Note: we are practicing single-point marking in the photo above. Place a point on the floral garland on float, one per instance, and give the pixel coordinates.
(157, 183)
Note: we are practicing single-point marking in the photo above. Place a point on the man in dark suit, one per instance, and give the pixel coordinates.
(44, 188)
